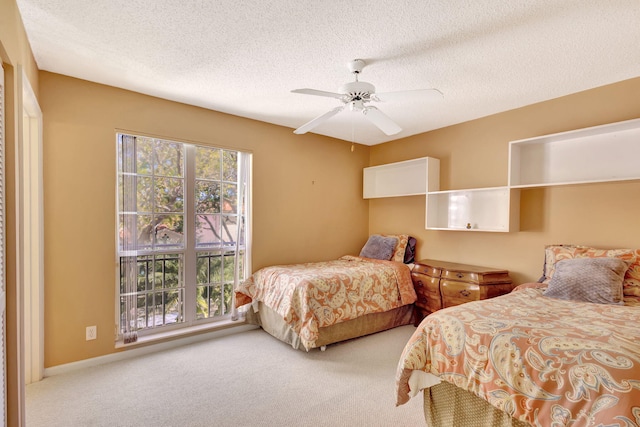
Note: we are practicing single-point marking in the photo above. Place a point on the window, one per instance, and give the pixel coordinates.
(182, 237)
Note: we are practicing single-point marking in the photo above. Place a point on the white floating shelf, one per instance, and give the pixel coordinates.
(596, 154)
(495, 209)
(407, 178)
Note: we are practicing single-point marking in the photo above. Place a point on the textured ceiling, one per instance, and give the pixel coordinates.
(243, 57)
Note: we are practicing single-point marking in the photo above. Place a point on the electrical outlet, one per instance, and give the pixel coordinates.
(92, 332)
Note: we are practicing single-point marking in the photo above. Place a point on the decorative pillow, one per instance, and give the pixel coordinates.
(631, 285)
(596, 280)
(555, 253)
(400, 247)
(379, 247)
(410, 252)
(631, 301)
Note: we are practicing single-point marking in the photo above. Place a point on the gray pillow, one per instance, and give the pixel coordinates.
(378, 247)
(596, 280)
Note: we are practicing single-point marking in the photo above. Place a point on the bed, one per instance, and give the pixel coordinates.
(562, 352)
(312, 305)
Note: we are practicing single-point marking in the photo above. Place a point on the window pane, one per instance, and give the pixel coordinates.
(120, 193)
(168, 232)
(144, 274)
(202, 269)
(228, 293)
(208, 230)
(124, 234)
(144, 156)
(215, 301)
(208, 267)
(172, 273)
(240, 261)
(169, 158)
(158, 275)
(145, 310)
(202, 302)
(215, 269)
(215, 230)
(208, 163)
(172, 309)
(229, 198)
(229, 267)
(230, 166)
(207, 197)
(145, 230)
(123, 308)
(144, 189)
(169, 195)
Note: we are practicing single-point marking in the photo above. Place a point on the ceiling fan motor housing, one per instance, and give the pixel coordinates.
(357, 90)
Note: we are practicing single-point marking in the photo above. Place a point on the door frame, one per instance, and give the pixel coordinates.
(30, 228)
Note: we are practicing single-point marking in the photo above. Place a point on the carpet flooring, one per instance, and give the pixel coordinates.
(244, 379)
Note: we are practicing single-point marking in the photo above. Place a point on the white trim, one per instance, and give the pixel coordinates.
(139, 351)
(3, 258)
(30, 228)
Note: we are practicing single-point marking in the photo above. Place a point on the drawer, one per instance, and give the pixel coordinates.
(422, 281)
(455, 293)
(425, 269)
(429, 302)
(481, 278)
(422, 301)
(462, 276)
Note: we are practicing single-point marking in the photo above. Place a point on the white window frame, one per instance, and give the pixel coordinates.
(190, 251)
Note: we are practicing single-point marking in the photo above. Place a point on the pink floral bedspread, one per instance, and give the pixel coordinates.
(542, 360)
(313, 295)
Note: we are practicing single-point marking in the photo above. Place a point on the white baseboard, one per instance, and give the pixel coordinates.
(139, 351)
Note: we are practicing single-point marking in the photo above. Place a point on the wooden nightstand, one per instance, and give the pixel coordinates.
(441, 284)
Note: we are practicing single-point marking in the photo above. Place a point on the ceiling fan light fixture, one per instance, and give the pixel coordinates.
(356, 105)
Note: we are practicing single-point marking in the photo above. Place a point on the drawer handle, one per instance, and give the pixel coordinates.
(423, 300)
(459, 275)
(465, 293)
(419, 283)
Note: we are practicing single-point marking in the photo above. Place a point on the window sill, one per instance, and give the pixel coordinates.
(190, 333)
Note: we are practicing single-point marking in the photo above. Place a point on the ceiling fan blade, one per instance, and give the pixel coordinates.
(315, 122)
(319, 93)
(381, 120)
(417, 94)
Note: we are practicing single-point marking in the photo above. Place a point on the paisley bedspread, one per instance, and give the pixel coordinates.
(314, 295)
(546, 361)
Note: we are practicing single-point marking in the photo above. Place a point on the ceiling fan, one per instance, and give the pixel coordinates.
(357, 95)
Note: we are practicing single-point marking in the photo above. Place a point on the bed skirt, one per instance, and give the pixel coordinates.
(446, 405)
(273, 323)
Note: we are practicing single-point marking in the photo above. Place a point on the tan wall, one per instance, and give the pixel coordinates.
(475, 154)
(307, 197)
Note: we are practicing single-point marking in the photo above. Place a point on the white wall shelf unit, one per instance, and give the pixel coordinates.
(407, 178)
(595, 154)
(495, 209)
